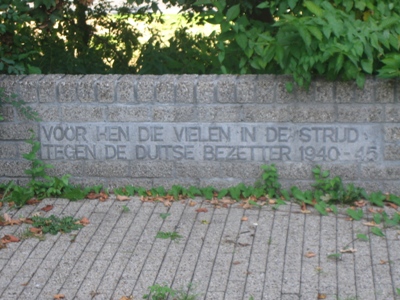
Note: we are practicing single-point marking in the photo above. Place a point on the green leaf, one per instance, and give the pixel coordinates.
(164, 215)
(315, 32)
(377, 231)
(321, 208)
(367, 65)
(233, 12)
(241, 39)
(314, 8)
(265, 4)
(360, 80)
(377, 218)
(292, 3)
(355, 214)
(361, 236)
(335, 256)
(305, 35)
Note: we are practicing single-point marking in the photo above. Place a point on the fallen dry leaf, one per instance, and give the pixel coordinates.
(214, 201)
(236, 262)
(47, 208)
(360, 203)
(244, 218)
(58, 296)
(371, 224)
(392, 205)
(321, 296)
(272, 201)
(122, 198)
(84, 221)
(6, 217)
(25, 283)
(32, 201)
(1, 204)
(202, 209)
(192, 203)
(303, 207)
(382, 262)
(310, 254)
(8, 238)
(126, 298)
(167, 203)
(348, 250)
(35, 230)
(11, 204)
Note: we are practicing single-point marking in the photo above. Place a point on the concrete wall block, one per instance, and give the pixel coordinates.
(152, 169)
(265, 89)
(221, 183)
(23, 147)
(367, 94)
(125, 89)
(82, 113)
(312, 113)
(165, 89)
(106, 88)
(47, 88)
(244, 170)
(294, 170)
(10, 84)
(360, 113)
(7, 112)
(13, 168)
(392, 152)
(385, 91)
(17, 131)
(67, 88)
(246, 89)
(113, 183)
(188, 169)
(107, 168)
(60, 168)
(28, 88)
(392, 113)
(174, 114)
(345, 91)
(369, 186)
(146, 88)
(390, 187)
(226, 89)
(373, 171)
(8, 150)
(344, 171)
(219, 113)
(185, 89)
(86, 88)
(305, 96)
(324, 91)
(266, 113)
(392, 133)
(128, 114)
(45, 112)
(168, 183)
(282, 95)
(206, 89)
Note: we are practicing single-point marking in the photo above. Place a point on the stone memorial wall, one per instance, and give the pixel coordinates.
(203, 130)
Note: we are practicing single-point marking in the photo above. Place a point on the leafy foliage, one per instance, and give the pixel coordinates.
(54, 224)
(338, 39)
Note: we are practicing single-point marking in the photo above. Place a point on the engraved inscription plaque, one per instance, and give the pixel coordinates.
(259, 142)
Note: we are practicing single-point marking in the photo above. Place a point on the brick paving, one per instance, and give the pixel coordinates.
(219, 256)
